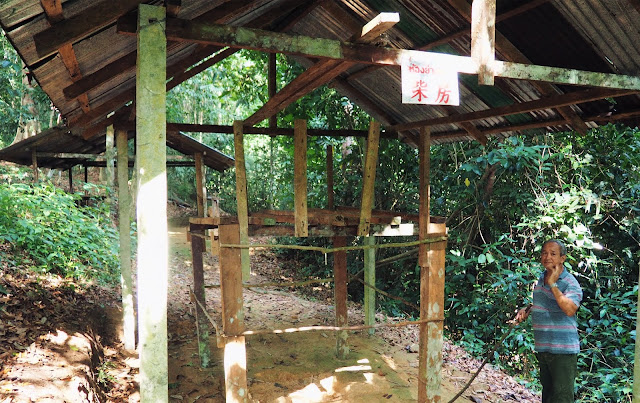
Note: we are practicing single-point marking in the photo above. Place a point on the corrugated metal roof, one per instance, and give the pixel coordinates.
(594, 35)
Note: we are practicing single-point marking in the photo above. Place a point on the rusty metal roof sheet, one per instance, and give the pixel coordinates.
(593, 35)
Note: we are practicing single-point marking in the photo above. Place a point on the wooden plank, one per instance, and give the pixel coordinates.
(153, 260)
(300, 177)
(124, 226)
(199, 184)
(369, 178)
(241, 196)
(370, 278)
(202, 324)
(340, 295)
(330, 194)
(570, 98)
(235, 357)
(377, 26)
(79, 26)
(483, 39)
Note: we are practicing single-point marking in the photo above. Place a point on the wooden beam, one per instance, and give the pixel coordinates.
(173, 7)
(81, 25)
(320, 73)
(272, 84)
(241, 196)
(34, 166)
(330, 193)
(235, 353)
(570, 98)
(340, 295)
(195, 70)
(110, 156)
(188, 31)
(199, 184)
(510, 52)
(369, 178)
(153, 258)
(124, 253)
(300, 177)
(483, 38)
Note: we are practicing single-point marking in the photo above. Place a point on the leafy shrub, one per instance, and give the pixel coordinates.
(56, 234)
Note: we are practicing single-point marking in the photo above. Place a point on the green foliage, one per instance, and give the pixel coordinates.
(57, 235)
(12, 89)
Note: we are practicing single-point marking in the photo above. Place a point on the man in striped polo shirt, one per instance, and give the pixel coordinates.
(556, 298)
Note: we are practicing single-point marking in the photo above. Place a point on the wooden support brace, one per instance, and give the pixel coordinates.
(340, 295)
(202, 325)
(199, 184)
(483, 39)
(330, 193)
(369, 178)
(241, 196)
(235, 356)
(124, 222)
(300, 177)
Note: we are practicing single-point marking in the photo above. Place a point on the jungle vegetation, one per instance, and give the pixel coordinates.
(501, 202)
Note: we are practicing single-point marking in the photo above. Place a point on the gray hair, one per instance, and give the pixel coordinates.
(563, 249)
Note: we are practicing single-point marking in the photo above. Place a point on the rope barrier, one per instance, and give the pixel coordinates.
(291, 284)
(338, 328)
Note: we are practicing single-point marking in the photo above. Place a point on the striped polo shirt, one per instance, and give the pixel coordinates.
(554, 331)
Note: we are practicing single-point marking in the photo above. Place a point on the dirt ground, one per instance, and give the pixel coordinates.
(67, 363)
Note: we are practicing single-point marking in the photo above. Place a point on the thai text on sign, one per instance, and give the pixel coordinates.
(428, 79)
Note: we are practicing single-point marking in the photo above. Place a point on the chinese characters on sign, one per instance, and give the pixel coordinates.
(428, 80)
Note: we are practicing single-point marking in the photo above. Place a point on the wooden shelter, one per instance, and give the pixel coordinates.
(523, 65)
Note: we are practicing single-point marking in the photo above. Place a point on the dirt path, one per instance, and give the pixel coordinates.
(59, 345)
(302, 367)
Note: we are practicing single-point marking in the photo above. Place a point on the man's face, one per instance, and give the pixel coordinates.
(551, 255)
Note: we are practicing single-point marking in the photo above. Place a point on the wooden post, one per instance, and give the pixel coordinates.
(202, 324)
(483, 39)
(34, 165)
(370, 278)
(330, 195)
(235, 355)
(70, 179)
(110, 154)
(340, 295)
(300, 177)
(636, 359)
(153, 256)
(369, 178)
(124, 222)
(431, 262)
(199, 184)
(241, 196)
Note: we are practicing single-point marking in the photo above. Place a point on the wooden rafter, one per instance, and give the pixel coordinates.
(320, 73)
(79, 26)
(557, 101)
(53, 12)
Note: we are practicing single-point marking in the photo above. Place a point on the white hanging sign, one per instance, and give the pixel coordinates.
(429, 79)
